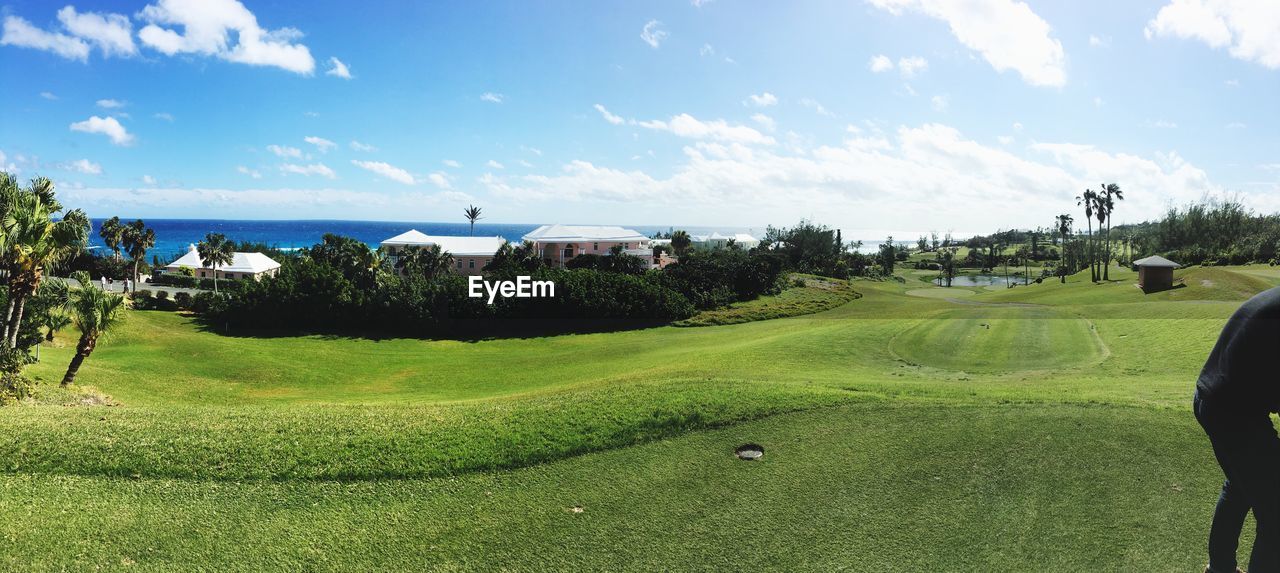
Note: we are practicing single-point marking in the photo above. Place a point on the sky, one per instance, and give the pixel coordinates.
(872, 116)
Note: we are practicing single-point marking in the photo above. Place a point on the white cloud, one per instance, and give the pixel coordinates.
(110, 104)
(1248, 29)
(494, 165)
(653, 34)
(492, 97)
(609, 117)
(1233, 83)
(1097, 102)
(1236, 125)
(6, 166)
(940, 102)
(706, 50)
(49, 96)
(250, 172)
(1008, 34)
(308, 170)
(909, 67)
(452, 163)
(338, 69)
(932, 171)
(1005, 139)
(324, 145)
(206, 30)
(112, 33)
(107, 126)
(1160, 124)
(385, 170)
(19, 32)
(82, 166)
(685, 125)
(765, 121)
(356, 145)
(765, 99)
(880, 63)
(440, 179)
(163, 116)
(816, 107)
(285, 151)
(148, 180)
(700, 3)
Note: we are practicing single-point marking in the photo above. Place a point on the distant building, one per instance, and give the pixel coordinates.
(1155, 273)
(243, 266)
(557, 244)
(719, 241)
(470, 254)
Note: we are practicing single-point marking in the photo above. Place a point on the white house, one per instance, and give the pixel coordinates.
(556, 244)
(243, 266)
(470, 254)
(719, 241)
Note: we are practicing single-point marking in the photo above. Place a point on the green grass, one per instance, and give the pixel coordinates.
(901, 434)
(816, 295)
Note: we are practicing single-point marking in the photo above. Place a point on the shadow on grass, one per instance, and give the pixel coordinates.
(461, 330)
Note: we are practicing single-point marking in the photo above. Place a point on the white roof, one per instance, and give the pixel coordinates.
(737, 238)
(744, 238)
(457, 246)
(1156, 261)
(583, 233)
(240, 262)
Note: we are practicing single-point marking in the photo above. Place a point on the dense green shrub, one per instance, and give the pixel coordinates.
(182, 299)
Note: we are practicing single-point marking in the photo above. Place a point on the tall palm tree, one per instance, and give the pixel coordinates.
(472, 213)
(94, 312)
(33, 242)
(112, 233)
(1088, 200)
(1100, 211)
(1111, 193)
(215, 251)
(429, 261)
(137, 238)
(1064, 222)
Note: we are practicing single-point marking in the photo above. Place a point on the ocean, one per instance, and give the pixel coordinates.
(173, 236)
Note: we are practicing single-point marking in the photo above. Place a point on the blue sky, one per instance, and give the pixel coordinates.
(884, 115)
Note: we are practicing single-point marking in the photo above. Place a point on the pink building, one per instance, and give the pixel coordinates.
(556, 244)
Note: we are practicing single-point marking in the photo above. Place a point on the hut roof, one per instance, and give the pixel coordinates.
(1156, 261)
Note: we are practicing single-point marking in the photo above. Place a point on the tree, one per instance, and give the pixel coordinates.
(215, 251)
(137, 238)
(681, 242)
(1110, 194)
(94, 312)
(472, 213)
(428, 261)
(1064, 222)
(1088, 199)
(112, 233)
(31, 242)
(887, 256)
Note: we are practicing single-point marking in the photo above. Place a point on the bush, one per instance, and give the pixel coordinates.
(15, 387)
(162, 295)
(182, 299)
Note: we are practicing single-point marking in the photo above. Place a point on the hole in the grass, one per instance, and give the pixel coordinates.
(749, 452)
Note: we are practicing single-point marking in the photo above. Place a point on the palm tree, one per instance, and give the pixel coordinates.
(137, 238)
(33, 242)
(1100, 210)
(215, 251)
(1088, 199)
(430, 261)
(1064, 222)
(681, 242)
(94, 312)
(112, 233)
(472, 214)
(1111, 193)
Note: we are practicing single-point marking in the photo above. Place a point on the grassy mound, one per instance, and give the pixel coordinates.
(816, 295)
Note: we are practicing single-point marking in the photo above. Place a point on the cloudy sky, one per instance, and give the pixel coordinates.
(883, 115)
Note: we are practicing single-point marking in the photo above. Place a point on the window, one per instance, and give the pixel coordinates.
(595, 247)
(471, 263)
(229, 275)
(459, 264)
(201, 274)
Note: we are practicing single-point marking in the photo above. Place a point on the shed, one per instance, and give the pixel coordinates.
(1155, 273)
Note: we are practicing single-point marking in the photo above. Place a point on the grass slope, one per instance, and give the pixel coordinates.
(901, 434)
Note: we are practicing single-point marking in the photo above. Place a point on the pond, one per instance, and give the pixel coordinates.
(979, 280)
